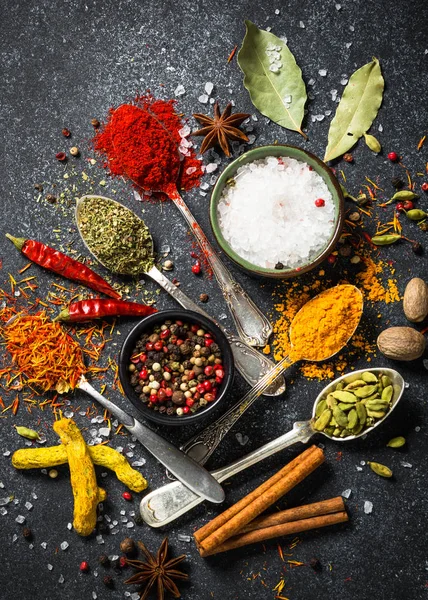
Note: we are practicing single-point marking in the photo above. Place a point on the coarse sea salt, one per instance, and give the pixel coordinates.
(269, 216)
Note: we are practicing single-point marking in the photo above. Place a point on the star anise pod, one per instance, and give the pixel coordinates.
(157, 570)
(218, 131)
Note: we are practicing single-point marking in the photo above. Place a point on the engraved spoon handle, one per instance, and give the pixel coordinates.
(202, 445)
(252, 325)
(251, 363)
(173, 499)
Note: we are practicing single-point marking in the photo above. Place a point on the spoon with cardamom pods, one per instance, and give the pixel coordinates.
(122, 243)
(346, 409)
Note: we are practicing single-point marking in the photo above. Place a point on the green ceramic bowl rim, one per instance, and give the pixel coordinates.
(292, 152)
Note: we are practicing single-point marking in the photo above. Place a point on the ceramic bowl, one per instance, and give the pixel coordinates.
(147, 325)
(286, 151)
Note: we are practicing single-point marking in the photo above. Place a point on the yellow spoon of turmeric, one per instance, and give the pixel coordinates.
(321, 328)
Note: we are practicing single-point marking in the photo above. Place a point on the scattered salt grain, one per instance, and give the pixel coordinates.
(351, 28)
(204, 186)
(20, 519)
(105, 431)
(190, 170)
(362, 463)
(100, 539)
(14, 537)
(301, 25)
(417, 428)
(359, 468)
(179, 90)
(344, 81)
(348, 45)
(210, 168)
(368, 507)
(61, 579)
(322, 72)
(212, 100)
(6, 453)
(3, 511)
(380, 128)
(182, 537)
(69, 526)
(242, 439)
(130, 525)
(276, 197)
(346, 493)
(94, 596)
(50, 567)
(1, 484)
(28, 505)
(277, 11)
(203, 98)
(139, 463)
(44, 545)
(408, 465)
(34, 496)
(68, 414)
(209, 86)
(129, 454)
(64, 545)
(338, 6)
(406, 385)
(184, 131)
(5, 500)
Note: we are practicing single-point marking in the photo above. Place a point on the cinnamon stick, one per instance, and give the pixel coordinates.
(260, 535)
(232, 520)
(307, 511)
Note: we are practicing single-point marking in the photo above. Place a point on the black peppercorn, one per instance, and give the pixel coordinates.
(104, 560)
(27, 533)
(417, 248)
(279, 266)
(108, 581)
(315, 564)
(127, 546)
(397, 182)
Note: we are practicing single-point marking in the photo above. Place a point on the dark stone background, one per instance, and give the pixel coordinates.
(66, 62)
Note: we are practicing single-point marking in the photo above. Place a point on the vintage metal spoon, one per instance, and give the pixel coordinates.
(203, 444)
(173, 500)
(250, 363)
(252, 325)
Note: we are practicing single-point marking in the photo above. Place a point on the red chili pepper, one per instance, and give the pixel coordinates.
(56, 261)
(96, 308)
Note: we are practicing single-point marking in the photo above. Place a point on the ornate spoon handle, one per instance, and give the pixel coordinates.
(250, 363)
(253, 327)
(173, 499)
(202, 445)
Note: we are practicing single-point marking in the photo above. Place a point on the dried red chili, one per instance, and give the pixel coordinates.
(64, 265)
(96, 308)
(134, 143)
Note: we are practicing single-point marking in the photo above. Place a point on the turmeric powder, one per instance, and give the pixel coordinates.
(325, 324)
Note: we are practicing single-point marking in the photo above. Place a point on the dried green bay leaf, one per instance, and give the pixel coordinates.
(357, 109)
(279, 95)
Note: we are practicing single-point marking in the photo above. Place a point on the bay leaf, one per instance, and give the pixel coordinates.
(280, 95)
(357, 109)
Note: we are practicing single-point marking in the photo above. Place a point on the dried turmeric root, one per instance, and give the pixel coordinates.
(86, 493)
(42, 458)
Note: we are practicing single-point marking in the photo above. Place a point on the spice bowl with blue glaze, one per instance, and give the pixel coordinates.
(229, 178)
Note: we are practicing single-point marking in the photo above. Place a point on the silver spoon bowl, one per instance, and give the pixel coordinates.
(173, 500)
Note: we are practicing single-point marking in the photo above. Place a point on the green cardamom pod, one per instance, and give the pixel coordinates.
(340, 417)
(30, 434)
(345, 407)
(389, 238)
(369, 377)
(352, 419)
(364, 392)
(386, 381)
(340, 386)
(396, 442)
(361, 412)
(320, 408)
(355, 384)
(380, 469)
(387, 394)
(377, 414)
(358, 429)
(404, 195)
(372, 142)
(416, 214)
(343, 396)
(323, 420)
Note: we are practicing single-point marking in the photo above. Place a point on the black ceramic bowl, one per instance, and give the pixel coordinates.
(148, 324)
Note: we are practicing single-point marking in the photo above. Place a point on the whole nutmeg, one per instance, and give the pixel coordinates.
(401, 343)
(415, 301)
(127, 546)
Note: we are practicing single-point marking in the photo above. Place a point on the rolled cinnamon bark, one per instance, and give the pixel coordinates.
(232, 520)
(260, 535)
(307, 511)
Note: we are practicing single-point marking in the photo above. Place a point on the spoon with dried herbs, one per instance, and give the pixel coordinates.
(152, 174)
(386, 386)
(122, 242)
(48, 358)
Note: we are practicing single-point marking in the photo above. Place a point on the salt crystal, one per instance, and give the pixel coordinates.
(44, 545)
(28, 505)
(182, 537)
(327, 113)
(211, 167)
(274, 68)
(50, 567)
(3, 511)
(34, 496)
(408, 465)
(368, 507)
(380, 128)
(68, 414)
(322, 72)
(20, 519)
(209, 86)
(61, 579)
(204, 186)
(270, 46)
(362, 463)
(123, 512)
(129, 454)
(351, 28)
(203, 98)
(1, 484)
(135, 596)
(69, 526)
(94, 596)
(119, 449)
(348, 45)
(346, 493)
(6, 453)
(184, 131)
(190, 170)
(130, 525)
(124, 519)
(132, 513)
(114, 531)
(426, 51)
(14, 537)
(100, 539)
(277, 11)
(139, 463)
(242, 439)
(344, 81)
(5, 500)
(115, 522)
(406, 385)
(212, 100)
(254, 117)
(179, 90)
(104, 431)
(311, 81)
(82, 413)
(251, 139)
(268, 29)
(301, 25)
(319, 117)
(417, 428)
(16, 501)
(338, 6)
(359, 468)
(287, 99)
(64, 545)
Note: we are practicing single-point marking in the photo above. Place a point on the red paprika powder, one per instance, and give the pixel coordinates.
(140, 141)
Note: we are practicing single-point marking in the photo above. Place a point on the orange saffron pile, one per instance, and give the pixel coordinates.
(43, 352)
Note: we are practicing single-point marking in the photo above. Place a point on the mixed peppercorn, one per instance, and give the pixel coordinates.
(177, 369)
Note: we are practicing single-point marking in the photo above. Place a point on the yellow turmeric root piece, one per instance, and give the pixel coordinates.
(86, 493)
(42, 458)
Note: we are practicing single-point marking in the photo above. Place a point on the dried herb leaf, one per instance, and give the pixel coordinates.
(279, 95)
(357, 109)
